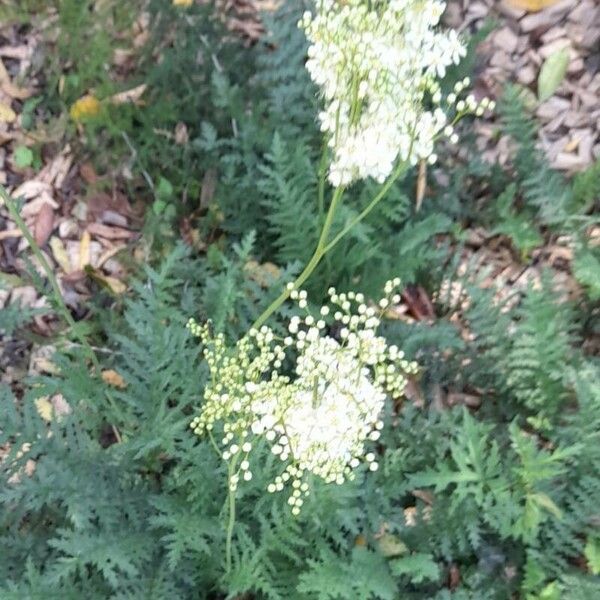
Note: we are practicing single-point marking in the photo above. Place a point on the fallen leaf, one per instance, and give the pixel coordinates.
(31, 189)
(44, 408)
(60, 254)
(532, 5)
(453, 577)
(391, 545)
(418, 302)
(264, 274)
(183, 3)
(44, 224)
(108, 254)
(133, 95)
(84, 250)
(7, 114)
(60, 406)
(112, 378)
(460, 398)
(33, 207)
(113, 284)
(181, 134)
(14, 91)
(552, 73)
(56, 406)
(110, 233)
(88, 173)
(10, 233)
(56, 171)
(22, 52)
(86, 107)
(424, 495)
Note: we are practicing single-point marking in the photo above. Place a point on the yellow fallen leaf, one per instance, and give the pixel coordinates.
(184, 3)
(391, 545)
(60, 254)
(116, 286)
(111, 377)
(7, 114)
(86, 107)
(264, 274)
(44, 408)
(84, 250)
(532, 5)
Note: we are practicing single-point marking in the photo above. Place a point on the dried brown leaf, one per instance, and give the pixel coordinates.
(44, 224)
(112, 378)
(133, 95)
(110, 233)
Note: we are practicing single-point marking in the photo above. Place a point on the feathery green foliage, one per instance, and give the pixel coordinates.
(490, 468)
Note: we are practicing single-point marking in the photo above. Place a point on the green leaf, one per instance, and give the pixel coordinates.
(552, 73)
(23, 157)
(164, 189)
(546, 502)
(586, 268)
(592, 554)
(417, 567)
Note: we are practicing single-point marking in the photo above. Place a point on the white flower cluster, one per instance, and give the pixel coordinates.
(375, 62)
(318, 419)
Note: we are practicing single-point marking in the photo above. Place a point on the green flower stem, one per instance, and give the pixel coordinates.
(402, 167)
(324, 246)
(321, 189)
(312, 263)
(58, 299)
(231, 521)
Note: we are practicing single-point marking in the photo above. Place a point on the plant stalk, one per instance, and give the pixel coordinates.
(312, 263)
(231, 520)
(56, 293)
(323, 247)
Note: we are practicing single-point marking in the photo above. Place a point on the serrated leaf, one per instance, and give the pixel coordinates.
(586, 268)
(592, 554)
(546, 502)
(552, 73)
(417, 567)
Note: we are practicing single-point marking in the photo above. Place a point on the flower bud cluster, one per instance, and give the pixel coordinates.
(319, 417)
(376, 63)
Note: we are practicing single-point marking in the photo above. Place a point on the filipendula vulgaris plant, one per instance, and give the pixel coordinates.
(376, 64)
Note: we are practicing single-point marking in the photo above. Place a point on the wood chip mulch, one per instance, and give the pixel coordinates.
(515, 52)
(82, 223)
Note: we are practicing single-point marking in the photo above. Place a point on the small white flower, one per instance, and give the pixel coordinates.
(320, 418)
(374, 62)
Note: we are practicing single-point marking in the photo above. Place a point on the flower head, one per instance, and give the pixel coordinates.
(375, 63)
(319, 417)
